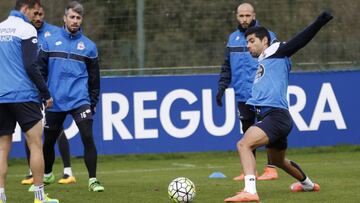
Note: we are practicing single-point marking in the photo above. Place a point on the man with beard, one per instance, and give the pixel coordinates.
(269, 96)
(69, 62)
(238, 70)
(45, 30)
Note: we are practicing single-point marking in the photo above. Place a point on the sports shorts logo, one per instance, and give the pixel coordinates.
(85, 113)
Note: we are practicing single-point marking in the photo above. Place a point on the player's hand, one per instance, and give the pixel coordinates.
(93, 109)
(325, 16)
(48, 103)
(219, 96)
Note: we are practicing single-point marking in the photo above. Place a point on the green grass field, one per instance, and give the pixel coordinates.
(145, 178)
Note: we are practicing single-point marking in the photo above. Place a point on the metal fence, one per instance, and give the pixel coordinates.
(185, 37)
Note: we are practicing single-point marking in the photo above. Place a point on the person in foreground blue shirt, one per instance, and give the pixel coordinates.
(45, 30)
(238, 71)
(22, 89)
(269, 98)
(69, 62)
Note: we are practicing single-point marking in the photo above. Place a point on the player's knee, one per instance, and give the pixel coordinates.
(34, 142)
(88, 140)
(242, 144)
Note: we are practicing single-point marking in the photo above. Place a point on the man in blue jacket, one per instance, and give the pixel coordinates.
(238, 70)
(69, 61)
(21, 90)
(269, 96)
(45, 30)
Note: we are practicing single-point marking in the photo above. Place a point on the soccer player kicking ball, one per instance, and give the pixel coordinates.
(269, 98)
(238, 71)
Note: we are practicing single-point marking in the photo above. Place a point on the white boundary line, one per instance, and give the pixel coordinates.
(184, 167)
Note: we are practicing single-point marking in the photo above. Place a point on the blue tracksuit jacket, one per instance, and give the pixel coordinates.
(20, 78)
(239, 67)
(70, 65)
(45, 31)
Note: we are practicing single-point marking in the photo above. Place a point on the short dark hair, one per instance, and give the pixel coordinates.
(29, 3)
(260, 32)
(75, 6)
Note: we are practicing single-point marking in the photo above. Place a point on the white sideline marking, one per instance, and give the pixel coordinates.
(186, 167)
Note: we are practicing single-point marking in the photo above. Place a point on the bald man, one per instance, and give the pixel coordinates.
(238, 70)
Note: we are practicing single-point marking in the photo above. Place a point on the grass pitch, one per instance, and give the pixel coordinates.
(145, 178)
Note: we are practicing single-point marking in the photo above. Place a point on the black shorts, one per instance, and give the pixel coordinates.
(246, 112)
(55, 120)
(27, 114)
(277, 124)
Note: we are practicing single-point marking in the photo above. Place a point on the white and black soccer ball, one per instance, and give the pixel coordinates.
(181, 190)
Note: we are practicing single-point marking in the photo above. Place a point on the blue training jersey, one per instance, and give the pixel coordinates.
(46, 30)
(272, 76)
(271, 80)
(69, 62)
(18, 43)
(239, 67)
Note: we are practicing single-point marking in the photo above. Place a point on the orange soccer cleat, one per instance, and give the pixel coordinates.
(28, 180)
(298, 187)
(243, 196)
(269, 174)
(242, 176)
(66, 179)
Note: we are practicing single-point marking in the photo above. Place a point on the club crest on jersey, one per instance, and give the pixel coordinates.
(81, 46)
(259, 72)
(47, 34)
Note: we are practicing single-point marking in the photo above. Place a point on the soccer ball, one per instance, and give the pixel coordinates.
(181, 190)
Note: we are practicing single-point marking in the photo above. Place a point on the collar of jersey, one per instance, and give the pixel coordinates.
(253, 23)
(18, 14)
(269, 51)
(67, 34)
